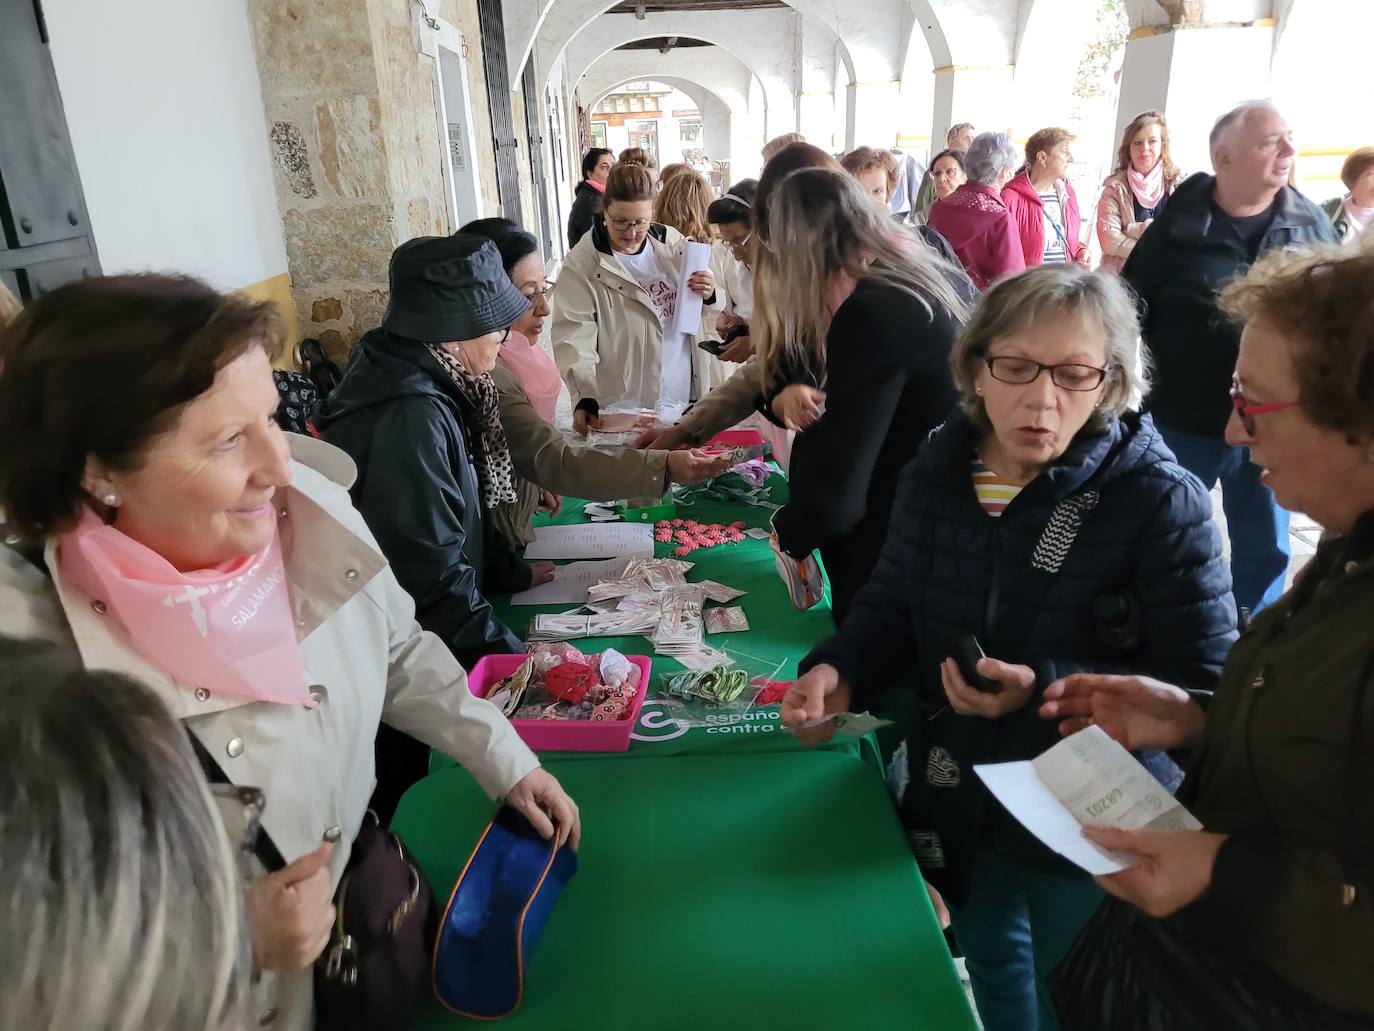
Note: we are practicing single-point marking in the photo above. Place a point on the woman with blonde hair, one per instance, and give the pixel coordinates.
(876, 171)
(684, 203)
(112, 860)
(853, 314)
(1136, 191)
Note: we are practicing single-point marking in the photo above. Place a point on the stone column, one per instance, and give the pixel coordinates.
(352, 122)
(1194, 73)
(981, 95)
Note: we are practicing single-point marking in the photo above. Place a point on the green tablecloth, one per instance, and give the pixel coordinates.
(779, 636)
(722, 892)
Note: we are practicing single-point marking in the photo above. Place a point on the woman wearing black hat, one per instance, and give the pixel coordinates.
(529, 385)
(418, 412)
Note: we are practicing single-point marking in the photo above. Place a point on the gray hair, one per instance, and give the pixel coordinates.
(1221, 129)
(1020, 300)
(988, 155)
(956, 129)
(123, 904)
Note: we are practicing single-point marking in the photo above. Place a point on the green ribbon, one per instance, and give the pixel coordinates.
(717, 684)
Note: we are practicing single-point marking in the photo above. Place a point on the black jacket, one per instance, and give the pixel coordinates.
(1116, 519)
(887, 384)
(1178, 266)
(586, 203)
(401, 420)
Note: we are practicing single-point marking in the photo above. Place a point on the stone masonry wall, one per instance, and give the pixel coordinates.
(354, 138)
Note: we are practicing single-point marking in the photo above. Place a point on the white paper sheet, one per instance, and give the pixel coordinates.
(696, 257)
(571, 582)
(1086, 778)
(592, 540)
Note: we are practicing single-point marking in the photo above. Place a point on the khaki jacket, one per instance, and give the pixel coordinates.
(543, 458)
(607, 339)
(365, 657)
(1117, 229)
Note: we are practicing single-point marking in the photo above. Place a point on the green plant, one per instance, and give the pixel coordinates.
(1113, 26)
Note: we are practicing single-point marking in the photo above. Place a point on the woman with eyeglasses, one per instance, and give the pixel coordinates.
(528, 384)
(615, 336)
(1052, 524)
(1270, 903)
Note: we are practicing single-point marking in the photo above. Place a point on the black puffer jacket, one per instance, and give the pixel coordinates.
(1189, 253)
(586, 203)
(398, 416)
(1114, 518)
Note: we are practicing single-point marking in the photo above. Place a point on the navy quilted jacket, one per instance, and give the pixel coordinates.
(1115, 525)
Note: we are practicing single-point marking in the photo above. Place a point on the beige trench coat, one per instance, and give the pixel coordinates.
(607, 339)
(543, 458)
(365, 657)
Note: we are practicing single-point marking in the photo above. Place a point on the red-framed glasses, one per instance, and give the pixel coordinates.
(1247, 411)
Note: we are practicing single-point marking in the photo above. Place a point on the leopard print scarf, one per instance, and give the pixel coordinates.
(495, 473)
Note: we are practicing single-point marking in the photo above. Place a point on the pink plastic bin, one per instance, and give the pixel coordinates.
(734, 438)
(562, 735)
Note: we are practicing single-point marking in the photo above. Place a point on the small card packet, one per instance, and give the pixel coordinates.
(730, 620)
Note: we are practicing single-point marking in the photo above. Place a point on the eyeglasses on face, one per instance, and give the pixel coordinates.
(543, 292)
(1071, 376)
(623, 225)
(1247, 411)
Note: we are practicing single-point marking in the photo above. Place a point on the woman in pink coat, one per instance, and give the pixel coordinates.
(1044, 204)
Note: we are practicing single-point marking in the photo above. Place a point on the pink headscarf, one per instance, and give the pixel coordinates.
(227, 629)
(535, 370)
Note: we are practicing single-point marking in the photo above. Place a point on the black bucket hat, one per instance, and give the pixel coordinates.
(450, 288)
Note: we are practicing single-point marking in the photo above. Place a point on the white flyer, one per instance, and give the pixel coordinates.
(1085, 779)
(571, 582)
(592, 540)
(696, 257)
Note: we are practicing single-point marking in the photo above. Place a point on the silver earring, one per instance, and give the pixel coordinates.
(111, 499)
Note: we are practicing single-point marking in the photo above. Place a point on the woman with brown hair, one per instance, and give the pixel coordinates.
(1136, 191)
(614, 312)
(1042, 201)
(1354, 213)
(1264, 917)
(179, 537)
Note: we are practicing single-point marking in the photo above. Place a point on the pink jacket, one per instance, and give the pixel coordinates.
(1023, 202)
(982, 232)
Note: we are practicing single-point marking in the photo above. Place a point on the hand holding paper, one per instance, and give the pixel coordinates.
(1172, 868)
(1085, 779)
(696, 263)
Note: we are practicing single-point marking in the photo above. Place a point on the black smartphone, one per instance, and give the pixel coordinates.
(715, 347)
(966, 651)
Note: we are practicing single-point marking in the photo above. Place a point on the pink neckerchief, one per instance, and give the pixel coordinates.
(226, 629)
(1148, 188)
(535, 370)
(598, 187)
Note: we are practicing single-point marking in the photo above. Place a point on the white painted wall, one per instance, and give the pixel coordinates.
(165, 112)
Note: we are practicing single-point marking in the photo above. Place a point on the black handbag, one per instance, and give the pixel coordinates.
(375, 972)
(1128, 971)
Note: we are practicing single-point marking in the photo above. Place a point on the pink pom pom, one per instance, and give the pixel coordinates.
(684, 551)
(738, 525)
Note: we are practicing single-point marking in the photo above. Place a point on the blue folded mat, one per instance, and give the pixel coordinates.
(498, 908)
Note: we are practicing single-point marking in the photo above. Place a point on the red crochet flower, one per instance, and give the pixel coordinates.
(570, 681)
